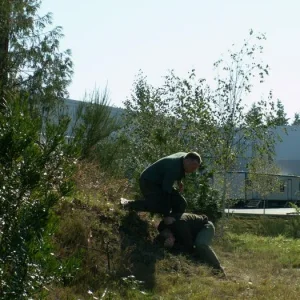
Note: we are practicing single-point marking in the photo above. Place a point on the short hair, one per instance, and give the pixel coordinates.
(194, 156)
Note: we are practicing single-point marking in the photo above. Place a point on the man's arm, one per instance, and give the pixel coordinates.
(168, 182)
(167, 186)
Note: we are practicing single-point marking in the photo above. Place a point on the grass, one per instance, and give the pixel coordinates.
(116, 257)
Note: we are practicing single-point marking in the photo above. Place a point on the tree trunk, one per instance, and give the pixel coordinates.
(5, 6)
(223, 205)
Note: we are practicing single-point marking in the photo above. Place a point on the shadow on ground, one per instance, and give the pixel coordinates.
(138, 249)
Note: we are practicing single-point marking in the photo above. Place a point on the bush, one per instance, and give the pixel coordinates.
(201, 197)
(35, 167)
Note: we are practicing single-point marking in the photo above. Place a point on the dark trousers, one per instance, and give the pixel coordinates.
(203, 249)
(158, 201)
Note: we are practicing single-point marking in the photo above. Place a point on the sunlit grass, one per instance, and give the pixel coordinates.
(119, 260)
(257, 267)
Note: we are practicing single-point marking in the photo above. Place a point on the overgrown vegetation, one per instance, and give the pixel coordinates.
(120, 260)
(93, 124)
(63, 234)
(30, 56)
(34, 174)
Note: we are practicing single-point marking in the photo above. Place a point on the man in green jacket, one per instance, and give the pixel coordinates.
(192, 234)
(157, 184)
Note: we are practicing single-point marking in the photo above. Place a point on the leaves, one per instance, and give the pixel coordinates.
(33, 61)
(35, 161)
(34, 175)
(93, 123)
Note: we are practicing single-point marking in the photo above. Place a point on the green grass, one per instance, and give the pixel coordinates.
(115, 256)
(257, 266)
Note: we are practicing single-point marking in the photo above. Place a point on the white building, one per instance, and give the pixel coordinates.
(287, 152)
(287, 157)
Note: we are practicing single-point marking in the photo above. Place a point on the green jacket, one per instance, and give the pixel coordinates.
(166, 171)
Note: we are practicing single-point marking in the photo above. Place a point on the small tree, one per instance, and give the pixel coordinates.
(263, 177)
(161, 121)
(30, 58)
(34, 175)
(35, 162)
(296, 120)
(94, 122)
(236, 131)
(279, 119)
(254, 116)
(202, 196)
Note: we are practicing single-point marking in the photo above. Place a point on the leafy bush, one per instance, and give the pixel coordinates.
(202, 198)
(35, 167)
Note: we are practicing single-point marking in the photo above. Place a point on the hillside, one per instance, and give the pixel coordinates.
(107, 253)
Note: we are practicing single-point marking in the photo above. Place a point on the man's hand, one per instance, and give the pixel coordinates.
(169, 220)
(180, 186)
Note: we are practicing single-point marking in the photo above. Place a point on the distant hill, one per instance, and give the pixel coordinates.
(73, 105)
(71, 110)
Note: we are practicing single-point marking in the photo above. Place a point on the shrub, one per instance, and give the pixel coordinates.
(34, 175)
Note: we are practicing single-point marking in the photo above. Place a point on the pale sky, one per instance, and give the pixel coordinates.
(112, 40)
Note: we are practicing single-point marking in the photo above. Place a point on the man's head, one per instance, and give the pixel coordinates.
(191, 162)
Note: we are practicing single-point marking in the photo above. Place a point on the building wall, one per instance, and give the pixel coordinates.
(288, 150)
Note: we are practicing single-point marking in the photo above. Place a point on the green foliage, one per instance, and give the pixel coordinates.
(55, 267)
(171, 111)
(30, 57)
(94, 124)
(112, 152)
(262, 176)
(165, 120)
(254, 116)
(266, 225)
(202, 198)
(296, 120)
(35, 173)
(35, 162)
(187, 115)
(239, 132)
(146, 107)
(280, 118)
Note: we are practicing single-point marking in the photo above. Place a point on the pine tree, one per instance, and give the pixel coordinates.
(35, 172)
(280, 118)
(30, 59)
(296, 119)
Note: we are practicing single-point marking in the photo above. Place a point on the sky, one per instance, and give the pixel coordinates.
(111, 40)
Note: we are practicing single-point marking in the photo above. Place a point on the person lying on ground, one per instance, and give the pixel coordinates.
(193, 234)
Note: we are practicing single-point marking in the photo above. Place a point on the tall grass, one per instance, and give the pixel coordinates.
(119, 259)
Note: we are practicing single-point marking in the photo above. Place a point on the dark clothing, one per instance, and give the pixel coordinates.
(157, 201)
(186, 228)
(156, 184)
(193, 234)
(166, 171)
